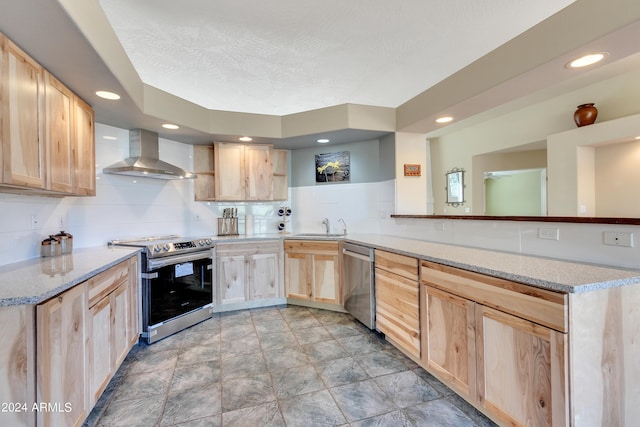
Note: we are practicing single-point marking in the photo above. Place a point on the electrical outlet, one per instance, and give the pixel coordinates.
(549, 233)
(35, 222)
(612, 238)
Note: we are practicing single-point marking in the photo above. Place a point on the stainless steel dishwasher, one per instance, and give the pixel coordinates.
(358, 274)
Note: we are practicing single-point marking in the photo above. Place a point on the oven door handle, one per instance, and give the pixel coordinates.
(154, 264)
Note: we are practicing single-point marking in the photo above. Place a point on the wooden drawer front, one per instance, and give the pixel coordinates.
(398, 310)
(312, 246)
(104, 283)
(541, 306)
(399, 264)
(244, 248)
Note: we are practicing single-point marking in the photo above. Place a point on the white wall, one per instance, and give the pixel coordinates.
(124, 207)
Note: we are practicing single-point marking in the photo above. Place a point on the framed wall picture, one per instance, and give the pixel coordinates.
(411, 170)
(333, 167)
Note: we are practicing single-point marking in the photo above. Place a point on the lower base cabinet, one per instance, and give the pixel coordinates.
(498, 358)
(398, 300)
(248, 271)
(82, 337)
(312, 271)
(62, 359)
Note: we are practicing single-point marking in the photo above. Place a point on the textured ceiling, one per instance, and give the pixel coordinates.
(286, 56)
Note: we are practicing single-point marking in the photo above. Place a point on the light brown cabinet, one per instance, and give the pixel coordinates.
(59, 135)
(109, 343)
(398, 300)
(312, 270)
(62, 358)
(22, 97)
(83, 336)
(47, 132)
(84, 149)
(248, 271)
(237, 172)
(499, 344)
(243, 172)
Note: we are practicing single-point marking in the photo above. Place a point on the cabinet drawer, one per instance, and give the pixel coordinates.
(397, 310)
(398, 264)
(245, 248)
(540, 306)
(312, 247)
(104, 283)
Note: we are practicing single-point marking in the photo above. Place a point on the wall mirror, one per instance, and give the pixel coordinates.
(455, 187)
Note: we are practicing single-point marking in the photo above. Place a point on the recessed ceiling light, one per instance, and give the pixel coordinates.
(323, 140)
(170, 126)
(107, 95)
(444, 119)
(245, 138)
(637, 137)
(110, 138)
(586, 60)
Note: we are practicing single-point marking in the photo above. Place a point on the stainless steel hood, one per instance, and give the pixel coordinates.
(144, 159)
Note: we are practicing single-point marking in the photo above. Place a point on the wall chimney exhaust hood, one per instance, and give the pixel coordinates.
(144, 159)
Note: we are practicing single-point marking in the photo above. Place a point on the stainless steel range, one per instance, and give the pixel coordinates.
(177, 283)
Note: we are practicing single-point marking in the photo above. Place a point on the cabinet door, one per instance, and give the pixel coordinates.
(59, 136)
(22, 98)
(297, 269)
(521, 373)
(100, 348)
(263, 276)
(62, 358)
(84, 151)
(119, 313)
(230, 171)
(231, 279)
(448, 341)
(397, 310)
(326, 278)
(259, 172)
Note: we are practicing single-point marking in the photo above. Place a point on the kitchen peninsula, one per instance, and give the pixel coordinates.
(533, 338)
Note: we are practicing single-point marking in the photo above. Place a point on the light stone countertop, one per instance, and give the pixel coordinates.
(38, 279)
(548, 273)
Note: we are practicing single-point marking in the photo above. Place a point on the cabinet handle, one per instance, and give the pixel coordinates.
(60, 299)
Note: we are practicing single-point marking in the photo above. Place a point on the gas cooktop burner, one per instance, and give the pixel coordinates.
(159, 246)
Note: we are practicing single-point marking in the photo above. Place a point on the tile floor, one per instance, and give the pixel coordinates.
(277, 366)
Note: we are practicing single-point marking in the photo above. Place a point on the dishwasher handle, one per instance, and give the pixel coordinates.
(360, 252)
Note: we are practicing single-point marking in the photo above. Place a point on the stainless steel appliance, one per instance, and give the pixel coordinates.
(177, 283)
(359, 297)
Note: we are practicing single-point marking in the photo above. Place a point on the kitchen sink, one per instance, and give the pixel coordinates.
(319, 235)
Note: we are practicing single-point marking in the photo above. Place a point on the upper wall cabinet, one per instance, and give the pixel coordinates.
(23, 153)
(239, 172)
(46, 132)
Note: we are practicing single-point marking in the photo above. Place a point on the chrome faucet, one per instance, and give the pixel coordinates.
(344, 231)
(326, 224)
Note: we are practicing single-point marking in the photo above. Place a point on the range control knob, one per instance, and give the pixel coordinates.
(208, 242)
(201, 242)
(156, 248)
(166, 247)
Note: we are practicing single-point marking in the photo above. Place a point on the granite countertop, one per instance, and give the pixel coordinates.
(548, 273)
(38, 279)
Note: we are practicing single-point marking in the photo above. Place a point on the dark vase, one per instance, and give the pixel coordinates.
(585, 115)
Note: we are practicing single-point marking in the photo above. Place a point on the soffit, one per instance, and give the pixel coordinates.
(289, 56)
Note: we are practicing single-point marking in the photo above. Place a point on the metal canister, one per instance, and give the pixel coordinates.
(66, 241)
(50, 247)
